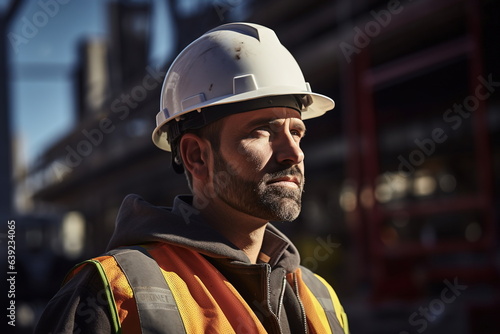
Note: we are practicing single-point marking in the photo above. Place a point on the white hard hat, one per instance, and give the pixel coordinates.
(232, 64)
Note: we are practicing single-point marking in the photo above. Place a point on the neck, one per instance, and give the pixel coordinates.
(244, 231)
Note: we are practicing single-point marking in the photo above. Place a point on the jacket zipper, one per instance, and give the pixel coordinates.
(296, 288)
(268, 298)
(282, 295)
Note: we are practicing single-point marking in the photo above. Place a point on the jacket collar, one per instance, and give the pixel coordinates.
(140, 222)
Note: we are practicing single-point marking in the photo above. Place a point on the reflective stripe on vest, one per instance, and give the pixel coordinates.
(205, 300)
(328, 300)
(156, 306)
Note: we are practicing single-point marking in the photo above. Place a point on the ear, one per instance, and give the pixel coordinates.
(194, 153)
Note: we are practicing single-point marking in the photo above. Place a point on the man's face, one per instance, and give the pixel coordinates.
(259, 168)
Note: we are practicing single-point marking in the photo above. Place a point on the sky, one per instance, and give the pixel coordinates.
(43, 43)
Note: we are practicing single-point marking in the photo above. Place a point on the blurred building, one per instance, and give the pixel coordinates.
(401, 199)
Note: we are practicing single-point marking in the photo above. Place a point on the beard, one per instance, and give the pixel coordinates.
(257, 198)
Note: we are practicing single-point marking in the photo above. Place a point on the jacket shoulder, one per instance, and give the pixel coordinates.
(78, 307)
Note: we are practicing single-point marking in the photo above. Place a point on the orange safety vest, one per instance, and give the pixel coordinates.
(170, 289)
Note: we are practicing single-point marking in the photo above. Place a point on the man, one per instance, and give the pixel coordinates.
(232, 110)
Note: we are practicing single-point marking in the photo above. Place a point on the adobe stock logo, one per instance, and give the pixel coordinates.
(31, 27)
(363, 37)
(454, 117)
(323, 250)
(121, 107)
(436, 307)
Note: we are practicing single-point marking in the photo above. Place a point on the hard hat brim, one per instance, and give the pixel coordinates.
(319, 106)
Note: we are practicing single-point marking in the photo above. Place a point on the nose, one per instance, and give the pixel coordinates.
(287, 150)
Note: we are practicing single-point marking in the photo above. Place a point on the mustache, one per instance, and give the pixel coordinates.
(292, 171)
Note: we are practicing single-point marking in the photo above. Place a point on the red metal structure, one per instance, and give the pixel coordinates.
(391, 258)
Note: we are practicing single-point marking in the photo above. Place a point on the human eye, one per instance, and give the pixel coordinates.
(261, 131)
(298, 132)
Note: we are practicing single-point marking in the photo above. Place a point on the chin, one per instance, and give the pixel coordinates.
(288, 210)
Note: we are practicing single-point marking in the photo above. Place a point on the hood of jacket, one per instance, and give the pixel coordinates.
(139, 222)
